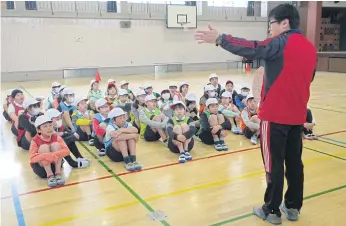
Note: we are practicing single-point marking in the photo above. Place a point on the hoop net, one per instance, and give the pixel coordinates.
(184, 26)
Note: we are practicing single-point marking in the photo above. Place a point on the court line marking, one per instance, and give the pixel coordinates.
(336, 141)
(305, 198)
(149, 168)
(17, 206)
(123, 183)
(178, 192)
(337, 145)
(324, 153)
(127, 172)
(325, 109)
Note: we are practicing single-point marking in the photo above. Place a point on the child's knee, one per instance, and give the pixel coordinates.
(185, 128)
(220, 118)
(212, 119)
(54, 147)
(177, 129)
(44, 148)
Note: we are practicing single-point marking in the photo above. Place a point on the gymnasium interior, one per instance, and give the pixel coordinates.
(152, 42)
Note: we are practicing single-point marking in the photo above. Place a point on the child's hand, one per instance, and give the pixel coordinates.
(181, 138)
(215, 129)
(116, 134)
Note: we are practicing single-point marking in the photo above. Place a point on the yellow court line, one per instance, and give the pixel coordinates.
(202, 186)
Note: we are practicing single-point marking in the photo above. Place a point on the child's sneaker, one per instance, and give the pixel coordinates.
(91, 142)
(182, 158)
(130, 166)
(240, 132)
(188, 157)
(82, 163)
(271, 218)
(291, 214)
(253, 139)
(218, 147)
(52, 181)
(164, 142)
(102, 152)
(235, 130)
(137, 166)
(59, 179)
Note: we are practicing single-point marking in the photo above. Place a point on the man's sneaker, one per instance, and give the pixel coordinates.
(91, 142)
(52, 181)
(308, 136)
(188, 157)
(130, 166)
(314, 137)
(253, 139)
(102, 152)
(182, 158)
(137, 165)
(218, 147)
(271, 218)
(291, 214)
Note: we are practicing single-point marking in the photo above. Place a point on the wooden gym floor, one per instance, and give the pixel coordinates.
(216, 188)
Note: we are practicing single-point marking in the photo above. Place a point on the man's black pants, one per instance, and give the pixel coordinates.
(282, 144)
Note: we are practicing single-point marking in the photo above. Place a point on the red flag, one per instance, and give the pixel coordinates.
(98, 77)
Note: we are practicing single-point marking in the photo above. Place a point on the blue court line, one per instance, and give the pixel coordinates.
(336, 141)
(17, 206)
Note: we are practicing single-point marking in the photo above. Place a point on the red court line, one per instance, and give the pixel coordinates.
(127, 172)
(149, 168)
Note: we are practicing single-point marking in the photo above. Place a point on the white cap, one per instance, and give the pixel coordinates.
(146, 86)
(209, 88)
(250, 96)
(9, 92)
(52, 113)
(191, 97)
(177, 102)
(28, 102)
(100, 103)
(93, 81)
(226, 94)
(149, 97)
(80, 99)
(173, 84)
(62, 88)
(42, 120)
(67, 91)
(211, 101)
(54, 84)
(123, 83)
(213, 75)
(183, 83)
(140, 92)
(110, 80)
(40, 98)
(122, 92)
(116, 112)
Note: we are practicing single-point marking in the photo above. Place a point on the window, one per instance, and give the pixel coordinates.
(111, 6)
(236, 3)
(30, 5)
(191, 3)
(9, 4)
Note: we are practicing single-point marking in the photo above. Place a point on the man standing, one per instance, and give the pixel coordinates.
(290, 61)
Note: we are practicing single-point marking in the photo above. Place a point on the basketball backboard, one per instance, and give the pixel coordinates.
(181, 16)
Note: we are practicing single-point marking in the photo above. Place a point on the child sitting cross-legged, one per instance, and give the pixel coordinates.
(230, 111)
(47, 150)
(99, 125)
(213, 125)
(249, 122)
(180, 129)
(120, 140)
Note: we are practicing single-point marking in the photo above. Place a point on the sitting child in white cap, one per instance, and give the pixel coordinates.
(120, 140)
(213, 126)
(153, 123)
(111, 95)
(165, 102)
(214, 82)
(67, 107)
(6, 103)
(136, 106)
(209, 92)
(99, 125)
(183, 90)
(82, 120)
(192, 111)
(125, 85)
(94, 93)
(124, 102)
(47, 150)
(230, 111)
(173, 89)
(69, 138)
(26, 120)
(249, 122)
(149, 90)
(53, 95)
(180, 129)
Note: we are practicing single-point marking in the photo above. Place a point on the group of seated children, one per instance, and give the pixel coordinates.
(113, 120)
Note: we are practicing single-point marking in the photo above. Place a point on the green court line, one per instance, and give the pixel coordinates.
(305, 198)
(324, 153)
(327, 142)
(128, 188)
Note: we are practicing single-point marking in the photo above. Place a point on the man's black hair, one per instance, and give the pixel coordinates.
(286, 11)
